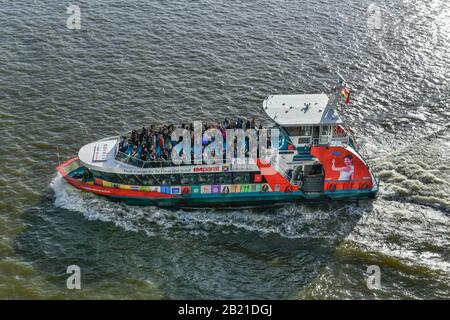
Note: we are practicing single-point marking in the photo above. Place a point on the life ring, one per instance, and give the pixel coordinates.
(225, 190)
(288, 188)
(265, 188)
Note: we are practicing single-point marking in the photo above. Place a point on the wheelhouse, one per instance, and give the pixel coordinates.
(308, 119)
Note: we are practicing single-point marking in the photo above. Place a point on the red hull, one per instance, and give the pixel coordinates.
(107, 191)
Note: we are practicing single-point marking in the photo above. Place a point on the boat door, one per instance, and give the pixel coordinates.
(316, 134)
(313, 179)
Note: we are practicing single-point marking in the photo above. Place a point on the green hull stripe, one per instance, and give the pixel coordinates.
(239, 198)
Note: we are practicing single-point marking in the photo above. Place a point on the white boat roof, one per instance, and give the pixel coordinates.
(100, 155)
(301, 109)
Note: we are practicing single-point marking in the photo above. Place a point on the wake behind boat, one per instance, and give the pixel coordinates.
(313, 158)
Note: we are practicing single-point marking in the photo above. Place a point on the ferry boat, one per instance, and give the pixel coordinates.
(316, 160)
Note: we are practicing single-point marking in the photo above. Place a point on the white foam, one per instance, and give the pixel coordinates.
(289, 221)
(418, 173)
(416, 235)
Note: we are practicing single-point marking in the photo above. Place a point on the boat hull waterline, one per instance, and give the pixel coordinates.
(126, 194)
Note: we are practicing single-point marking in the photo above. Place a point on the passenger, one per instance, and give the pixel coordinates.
(141, 135)
(144, 155)
(155, 143)
(204, 141)
(139, 151)
(239, 123)
(167, 140)
(134, 137)
(153, 140)
(130, 147)
(161, 141)
(87, 175)
(145, 134)
(165, 155)
(124, 146)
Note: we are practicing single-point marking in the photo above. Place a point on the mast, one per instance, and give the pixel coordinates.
(340, 107)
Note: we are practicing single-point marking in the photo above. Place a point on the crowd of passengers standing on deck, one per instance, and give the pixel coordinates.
(155, 144)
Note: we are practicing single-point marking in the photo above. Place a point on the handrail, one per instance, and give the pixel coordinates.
(354, 180)
(125, 158)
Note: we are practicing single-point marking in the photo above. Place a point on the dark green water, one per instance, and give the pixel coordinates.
(142, 62)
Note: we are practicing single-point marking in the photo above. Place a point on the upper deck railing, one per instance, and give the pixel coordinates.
(135, 161)
(324, 140)
(131, 160)
(128, 159)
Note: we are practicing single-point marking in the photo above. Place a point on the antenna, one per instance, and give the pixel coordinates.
(341, 77)
(57, 153)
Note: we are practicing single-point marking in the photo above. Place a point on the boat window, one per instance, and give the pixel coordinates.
(205, 178)
(96, 173)
(299, 131)
(121, 178)
(111, 177)
(261, 178)
(164, 180)
(130, 179)
(174, 179)
(188, 179)
(325, 130)
(292, 131)
(241, 177)
(149, 180)
(305, 131)
(223, 178)
(160, 179)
